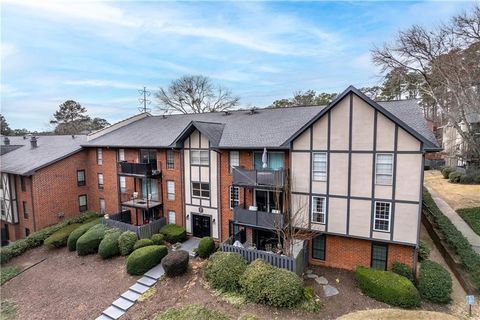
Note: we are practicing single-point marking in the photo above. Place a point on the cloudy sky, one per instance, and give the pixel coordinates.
(100, 53)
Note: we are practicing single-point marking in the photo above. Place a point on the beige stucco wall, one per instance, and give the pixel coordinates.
(406, 217)
(300, 171)
(362, 125)
(360, 217)
(339, 127)
(407, 142)
(303, 141)
(337, 215)
(361, 180)
(338, 173)
(409, 176)
(300, 207)
(320, 133)
(385, 133)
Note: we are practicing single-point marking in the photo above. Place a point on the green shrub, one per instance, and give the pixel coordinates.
(434, 282)
(5, 255)
(206, 247)
(86, 217)
(446, 172)
(224, 269)
(109, 245)
(263, 283)
(471, 177)
(455, 176)
(387, 287)
(59, 238)
(7, 273)
(77, 233)
(193, 311)
(142, 243)
(423, 251)
(174, 233)
(158, 239)
(143, 259)
(454, 239)
(403, 270)
(175, 263)
(471, 217)
(90, 240)
(126, 242)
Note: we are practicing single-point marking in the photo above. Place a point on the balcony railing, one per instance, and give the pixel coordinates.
(139, 169)
(139, 201)
(258, 218)
(258, 178)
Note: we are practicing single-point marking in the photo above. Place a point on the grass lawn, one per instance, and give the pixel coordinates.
(8, 273)
(193, 311)
(8, 310)
(472, 217)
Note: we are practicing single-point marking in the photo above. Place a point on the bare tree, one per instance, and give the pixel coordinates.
(195, 94)
(446, 59)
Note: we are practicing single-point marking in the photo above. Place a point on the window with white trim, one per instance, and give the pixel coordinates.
(81, 178)
(199, 157)
(102, 205)
(234, 159)
(319, 168)
(234, 196)
(82, 203)
(123, 184)
(319, 209)
(384, 169)
(171, 217)
(170, 160)
(382, 216)
(121, 154)
(99, 156)
(170, 190)
(100, 181)
(201, 189)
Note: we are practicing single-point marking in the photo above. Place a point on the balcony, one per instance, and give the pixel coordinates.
(274, 179)
(141, 170)
(257, 218)
(136, 200)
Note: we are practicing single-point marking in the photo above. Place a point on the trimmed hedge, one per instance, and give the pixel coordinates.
(206, 247)
(90, 240)
(224, 269)
(175, 263)
(126, 242)
(174, 233)
(446, 171)
(455, 176)
(471, 217)
(143, 259)
(109, 245)
(263, 283)
(142, 243)
(434, 282)
(158, 239)
(455, 239)
(59, 238)
(403, 270)
(77, 233)
(423, 251)
(387, 287)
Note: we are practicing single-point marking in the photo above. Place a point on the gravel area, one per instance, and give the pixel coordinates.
(65, 286)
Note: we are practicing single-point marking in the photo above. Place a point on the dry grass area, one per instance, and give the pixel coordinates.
(456, 195)
(396, 314)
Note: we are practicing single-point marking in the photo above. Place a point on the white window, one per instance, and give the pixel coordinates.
(234, 159)
(382, 216)
(170, 160)
(200, 189)
(121, 154)
(123, 184)
(170, 190)
(99, 156)
(234, 196)
(100, 181)
(102, 205)
(384, 168)
(319, 209)
(171, 217)
(319, 169)
(199, 157)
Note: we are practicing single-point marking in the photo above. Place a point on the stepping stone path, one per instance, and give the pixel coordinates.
(328, 290)
(321, 280)
(129, 297)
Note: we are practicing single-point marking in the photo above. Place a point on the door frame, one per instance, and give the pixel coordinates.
(203, 215)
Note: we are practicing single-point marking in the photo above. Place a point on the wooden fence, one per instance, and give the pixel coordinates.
(144, 231)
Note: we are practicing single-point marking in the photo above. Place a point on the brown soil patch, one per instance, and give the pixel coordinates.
(65, 286)
(396, 314)
(456, 195)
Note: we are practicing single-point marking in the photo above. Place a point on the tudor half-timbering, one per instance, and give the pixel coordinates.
(356, 175)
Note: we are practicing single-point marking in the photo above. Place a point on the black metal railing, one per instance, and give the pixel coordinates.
(257, 218)
(258, 178)
(139, 169)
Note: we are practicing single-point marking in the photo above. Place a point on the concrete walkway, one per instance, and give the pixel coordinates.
(459, 223)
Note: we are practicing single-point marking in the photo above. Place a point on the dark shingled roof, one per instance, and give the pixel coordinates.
(25, 161)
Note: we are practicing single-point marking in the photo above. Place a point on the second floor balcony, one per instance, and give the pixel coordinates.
(253, 217)
(140, 170)
(272, 179)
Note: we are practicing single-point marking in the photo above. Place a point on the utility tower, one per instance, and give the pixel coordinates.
(144, 101)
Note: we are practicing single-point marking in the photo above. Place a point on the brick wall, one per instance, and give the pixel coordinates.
(24, 196)
(174, 175)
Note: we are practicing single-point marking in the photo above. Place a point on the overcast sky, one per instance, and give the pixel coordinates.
(100, 53)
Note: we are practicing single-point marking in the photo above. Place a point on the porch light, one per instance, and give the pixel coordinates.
(188, 217)
(213, 220)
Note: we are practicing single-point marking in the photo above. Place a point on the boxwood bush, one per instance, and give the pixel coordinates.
(90, 240)
(403, 270)
(224, 269)
(158, 239)
(175, 263)
(423, 251)
(174, 233)
(454, 239)
(126, 242)
(206, 247)
(387, 287)
(446, 172)
(77, 233)
(455, 176)
(263, 283)
(59, 238)
(434, 282)
(142, 243)
(143, 259)
(109, 245)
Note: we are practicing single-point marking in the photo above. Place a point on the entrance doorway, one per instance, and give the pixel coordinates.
(201, 226)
